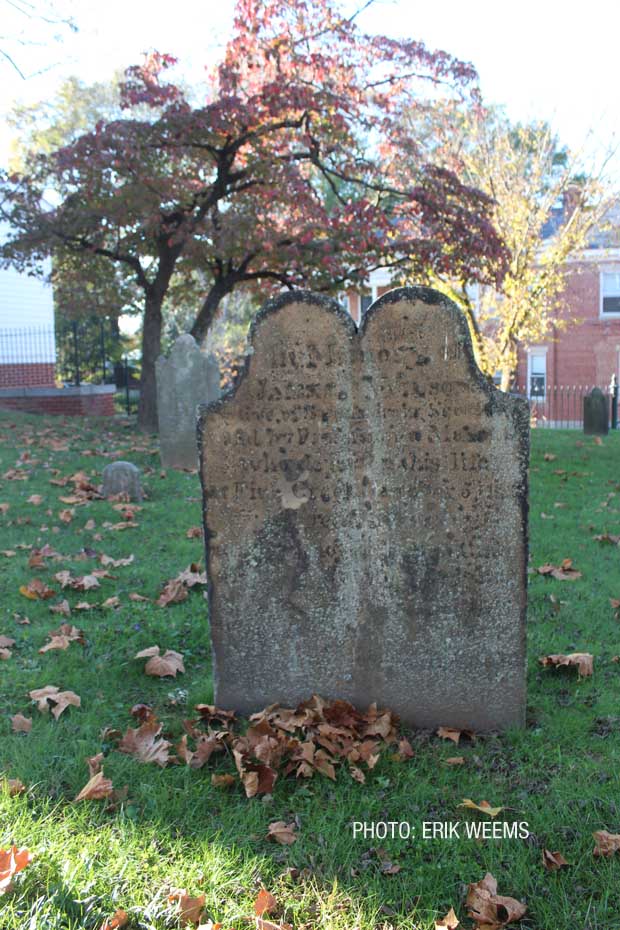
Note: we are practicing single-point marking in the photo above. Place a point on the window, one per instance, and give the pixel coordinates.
(610, 292)
(365, 302)
(537, 374)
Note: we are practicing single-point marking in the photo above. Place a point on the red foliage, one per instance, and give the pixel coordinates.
(296, 171)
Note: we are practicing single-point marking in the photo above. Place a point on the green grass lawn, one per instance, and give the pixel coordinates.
(176, 830)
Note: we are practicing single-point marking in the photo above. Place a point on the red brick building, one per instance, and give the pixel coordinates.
(586, 350)
(583, 351)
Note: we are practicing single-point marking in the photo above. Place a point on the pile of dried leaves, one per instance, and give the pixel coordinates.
(316, 736)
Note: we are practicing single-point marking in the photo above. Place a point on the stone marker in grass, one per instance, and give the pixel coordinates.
(122, 479)
(365, 502)
(595, 413)
(185, 379)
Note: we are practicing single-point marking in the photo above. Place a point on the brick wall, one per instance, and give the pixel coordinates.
(587, 351)
(87, 400)
(36, 374)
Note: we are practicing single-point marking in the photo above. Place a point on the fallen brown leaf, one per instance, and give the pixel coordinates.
(53, 698)
(454, 734)
(63, 637)
(173, 593)
(606, 844)
(21, 724)
(161, 666)
(489, 910)
(96, 788)
(13, 786)
(115, 563)
(95, 763)
(607, 538)
(81, 583)
(142, 712)
(563, 572)
(264, 903)
(583, 660)
(188, 909)
(553, 861)
(36, 590)
(12, 861)
(449, 922)
(192, 575)
(145, 744)
(119, 919)
(223, 781)
(282, 833)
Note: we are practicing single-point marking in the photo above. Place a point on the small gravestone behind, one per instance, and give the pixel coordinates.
(595, 413)
(122, 478)
(366, 517)
(185, 379)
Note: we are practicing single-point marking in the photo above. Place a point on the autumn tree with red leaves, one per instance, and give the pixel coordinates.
(282, 178)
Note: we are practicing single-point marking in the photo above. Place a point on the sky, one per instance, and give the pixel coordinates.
(534, 57)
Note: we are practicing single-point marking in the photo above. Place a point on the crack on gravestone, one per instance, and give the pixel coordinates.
(380, 481)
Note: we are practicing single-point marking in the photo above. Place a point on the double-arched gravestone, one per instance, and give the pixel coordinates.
(365, 501)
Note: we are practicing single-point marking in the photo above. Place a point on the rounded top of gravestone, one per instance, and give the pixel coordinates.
(186, 341)
(122, 478)
(121, 466)
(417, 296)
(181, 346)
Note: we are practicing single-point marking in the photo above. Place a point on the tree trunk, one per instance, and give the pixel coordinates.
(209, 308)
(151, 348)
(506, 380)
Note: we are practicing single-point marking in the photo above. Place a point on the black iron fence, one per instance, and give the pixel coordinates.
(562, 407)
(93, 351)
(71, 353)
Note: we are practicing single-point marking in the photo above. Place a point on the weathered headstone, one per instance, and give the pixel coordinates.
(366, 517)
(595, 413)
(122, 478)
(185, 379)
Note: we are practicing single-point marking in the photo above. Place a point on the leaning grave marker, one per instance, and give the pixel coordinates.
(185, 379)
(365, 507)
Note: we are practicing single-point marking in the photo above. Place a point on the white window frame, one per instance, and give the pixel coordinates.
(607, 315)
(537, 352)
